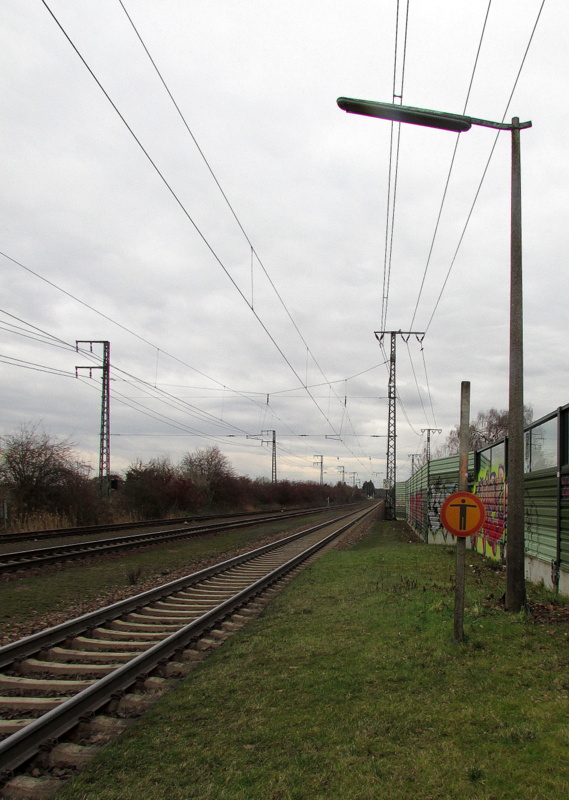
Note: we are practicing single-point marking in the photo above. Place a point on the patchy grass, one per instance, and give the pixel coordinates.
(349, 687)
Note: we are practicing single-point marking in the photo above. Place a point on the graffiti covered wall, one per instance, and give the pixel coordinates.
(546, 499)
(491, 488)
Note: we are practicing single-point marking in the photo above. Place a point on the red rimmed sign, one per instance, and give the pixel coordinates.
(462, 514)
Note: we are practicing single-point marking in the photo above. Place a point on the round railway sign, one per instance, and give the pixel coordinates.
(462, 514)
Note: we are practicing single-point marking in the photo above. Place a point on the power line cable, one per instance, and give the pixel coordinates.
(416, 381)
(428, 386)
(450, 167)
(393, 170)
(52, 340)
(185, 212)
(244, 395)
(162, 177)
(38, 330)
(487, 165)
(18, 362)
(166, 397)
(157, 416)
(439, 216)
(57, 342)
(225, 197)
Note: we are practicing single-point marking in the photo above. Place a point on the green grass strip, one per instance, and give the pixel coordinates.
(349, 686)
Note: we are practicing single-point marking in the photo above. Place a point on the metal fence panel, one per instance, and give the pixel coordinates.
(541, 515)
(546, 486)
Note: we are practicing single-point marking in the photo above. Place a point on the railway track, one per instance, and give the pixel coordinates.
(121, 657)
(63, 533)
(32, 558)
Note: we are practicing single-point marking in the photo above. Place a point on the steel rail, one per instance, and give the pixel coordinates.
(24, 744)
(29, 559)
(65, 630)
(62, 533)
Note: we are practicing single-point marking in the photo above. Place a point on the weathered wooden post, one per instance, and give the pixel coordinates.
(462, 513)
(462, 487)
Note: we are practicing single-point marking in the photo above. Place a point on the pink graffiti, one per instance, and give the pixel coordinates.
(492, 490)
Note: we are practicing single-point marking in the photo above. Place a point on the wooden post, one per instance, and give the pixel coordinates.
(462, 487)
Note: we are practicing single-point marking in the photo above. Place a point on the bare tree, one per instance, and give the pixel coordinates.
(209, 470)
(488, 427)
(158, 489)
(41, 473)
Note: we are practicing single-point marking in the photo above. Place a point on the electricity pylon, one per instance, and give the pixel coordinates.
(321, 465)
(274, 458)
(105, 443)
(274, 454)
(413, 456)
(428, 431)
(391, 420)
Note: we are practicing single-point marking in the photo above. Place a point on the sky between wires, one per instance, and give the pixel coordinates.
(254, 308)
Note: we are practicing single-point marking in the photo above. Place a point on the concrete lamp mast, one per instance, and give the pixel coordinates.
(515, 579)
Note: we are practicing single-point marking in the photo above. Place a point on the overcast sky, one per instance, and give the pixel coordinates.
(235, 258)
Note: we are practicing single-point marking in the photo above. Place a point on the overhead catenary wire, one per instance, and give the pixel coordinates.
(55, 341)
(48, 338)
(276, 344)
(495, 142)
(18, 362)
(439, 216)
(254, 253)
(112, 320)
(452, 161)
(335, 415)
(157, 416)
(150, 389)
(393, 169)
(428, 386)
(16, 330)
(186, 213)
(446, 189)
(416, 380)
(220, 385)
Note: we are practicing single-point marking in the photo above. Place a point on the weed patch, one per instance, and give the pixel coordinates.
(134, 575)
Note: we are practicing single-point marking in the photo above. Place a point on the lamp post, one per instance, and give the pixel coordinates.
(515, 579)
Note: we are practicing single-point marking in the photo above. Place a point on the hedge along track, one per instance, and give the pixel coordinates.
(32, 559)
(54, 679)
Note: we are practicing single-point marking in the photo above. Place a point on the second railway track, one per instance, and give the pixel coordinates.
(32, 558)
(53, 679)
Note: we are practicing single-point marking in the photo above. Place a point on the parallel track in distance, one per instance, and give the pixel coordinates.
(27, 559)
(80, 530)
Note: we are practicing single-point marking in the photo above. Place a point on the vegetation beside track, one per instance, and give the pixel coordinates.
(44, 484)
(350, 687)
(34, 602)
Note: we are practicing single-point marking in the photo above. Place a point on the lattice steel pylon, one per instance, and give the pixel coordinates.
(274, 457)
(268, 441)
(320, 464)
(428, 431)
(391, 418)
(105, 439)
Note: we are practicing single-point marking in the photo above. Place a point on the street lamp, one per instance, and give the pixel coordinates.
(515, 578)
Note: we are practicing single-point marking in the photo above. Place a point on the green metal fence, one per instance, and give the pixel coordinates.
(546, 485)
